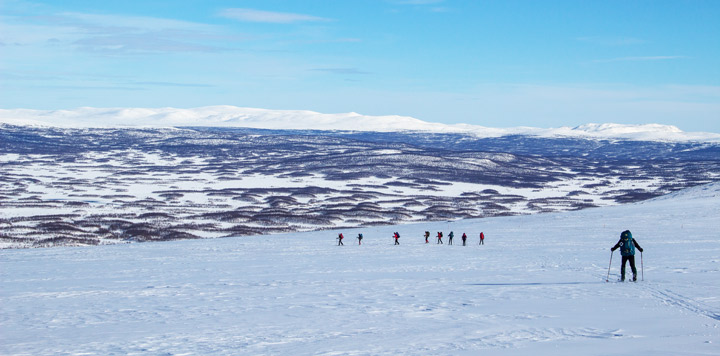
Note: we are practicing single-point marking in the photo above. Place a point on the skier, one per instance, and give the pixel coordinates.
(452, 234)
(439, 238)
(396, 236)
(482, 239)
(427, 236)
(627, 247)
(359, 239)
(340, 238)
(464, 238)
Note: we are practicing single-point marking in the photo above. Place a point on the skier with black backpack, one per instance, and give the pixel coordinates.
(359, 239)
(627, 245)
(397, 237)
(427, 236)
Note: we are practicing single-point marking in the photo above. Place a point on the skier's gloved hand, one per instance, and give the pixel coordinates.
(640, 250)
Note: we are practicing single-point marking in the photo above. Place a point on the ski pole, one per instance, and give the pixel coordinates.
(642, 267)
(611, 254)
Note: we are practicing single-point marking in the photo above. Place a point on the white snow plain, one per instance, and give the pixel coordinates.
(537, 287)
(232, 116)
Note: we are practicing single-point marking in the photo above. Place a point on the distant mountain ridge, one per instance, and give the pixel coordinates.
(232, 116)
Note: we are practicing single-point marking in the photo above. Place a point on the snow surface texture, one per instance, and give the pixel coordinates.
(537, 287)
(231, 116)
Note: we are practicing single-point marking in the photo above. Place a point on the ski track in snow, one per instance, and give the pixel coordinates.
(674, 299)
(537, 287)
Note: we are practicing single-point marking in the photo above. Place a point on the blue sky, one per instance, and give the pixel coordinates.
(492, 63)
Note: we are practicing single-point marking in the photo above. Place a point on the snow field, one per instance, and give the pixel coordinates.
(116, 176)
(537, 287)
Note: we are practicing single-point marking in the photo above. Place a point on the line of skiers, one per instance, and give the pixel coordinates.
(627, 245)
(396, 236)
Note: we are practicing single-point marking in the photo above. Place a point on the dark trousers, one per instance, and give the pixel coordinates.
(397, 242)
(632, 267)
(450, 241)
(464, 242)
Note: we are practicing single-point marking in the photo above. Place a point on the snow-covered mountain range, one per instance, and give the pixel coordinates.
(231, 116)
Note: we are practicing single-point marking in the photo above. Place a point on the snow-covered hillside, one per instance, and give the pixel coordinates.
(231, 116)
(63, 186)
(536, 288)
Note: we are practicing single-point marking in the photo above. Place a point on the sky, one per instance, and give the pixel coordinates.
(491, 63)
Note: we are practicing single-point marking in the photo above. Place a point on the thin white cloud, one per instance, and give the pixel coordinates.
(251, 15)
(117, 34)
(103, 22)
(639, 59)
(612, 41)
(173, 84)
(432, 6)
(417, 2)
(139, 43)
(342, 71)
(440, 9)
